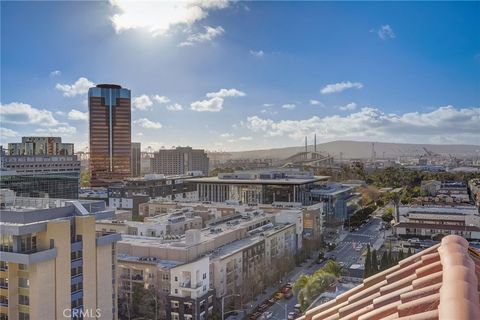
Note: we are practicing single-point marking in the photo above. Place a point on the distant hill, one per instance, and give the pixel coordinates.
(363, 150)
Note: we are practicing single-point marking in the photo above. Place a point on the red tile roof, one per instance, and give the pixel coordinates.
(441, 282)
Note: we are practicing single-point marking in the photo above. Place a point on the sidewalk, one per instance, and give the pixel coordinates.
(292, 276)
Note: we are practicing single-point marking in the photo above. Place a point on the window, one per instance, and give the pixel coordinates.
(3, 265)
(23, 283)
(176, 278)
(22, 267)
(24, 300)
(204, 276)
(23, 316)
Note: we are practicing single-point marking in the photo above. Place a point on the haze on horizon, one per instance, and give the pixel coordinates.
(245, 75)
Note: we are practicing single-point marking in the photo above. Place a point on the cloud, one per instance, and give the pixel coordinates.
(7, 133)
(80, 87)
(55, 73)
(77, 115)
(226, 135)
(257, 54)
(268, 105)
(175, 107)
(340, 86)
(351, 106)
(209, 34)
(223, 93)
(240, 139)
(145, 123)
(212, 105)
(385, 32)
(314, 102)
(161, 99)
(142, 102)
(268, 111)
(460, 125)
(289, 106)
(61, 130)
(158, 17)
(22, 113)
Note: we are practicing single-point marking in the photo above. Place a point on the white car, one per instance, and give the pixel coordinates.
(267, 315)
(291, 315)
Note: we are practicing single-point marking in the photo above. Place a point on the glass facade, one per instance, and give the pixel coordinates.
(64, 185)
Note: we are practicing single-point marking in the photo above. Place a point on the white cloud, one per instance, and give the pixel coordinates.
(212, 105)
(7, 133)
(340, 86)
(315, 102)
(161, 99)
(80, 87)
(61, 130)
(289, 106)
(145, 123)
(460, 125)
(77, 115)
(351, 106)
(223, 93)
(268, 105)
(240, 139)
(142, 102)
(158, 17)
(209, 34)
(226, 135)
(257, 54)
(22, 113)
(175, 107)
(55, 73)
(268, 111)
(385, 32)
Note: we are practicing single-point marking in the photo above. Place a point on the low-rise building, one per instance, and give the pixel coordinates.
(258, 187)
(431, 221)
(134, 191)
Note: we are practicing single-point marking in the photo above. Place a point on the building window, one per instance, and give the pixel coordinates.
(176, 279)
(22, 267)
(24, 300)
(204, 276)
(23, 283)
(23, 316)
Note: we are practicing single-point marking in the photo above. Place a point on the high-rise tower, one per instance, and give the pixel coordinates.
(110, 133)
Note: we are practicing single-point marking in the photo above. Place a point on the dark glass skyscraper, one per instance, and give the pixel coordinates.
(110, 133)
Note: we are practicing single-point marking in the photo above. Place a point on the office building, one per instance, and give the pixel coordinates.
(53, 264)
(136, 159)
(134, 191)
(179, 161)
(110, 134)
(258, 187)
(39, 146)
(56, 176)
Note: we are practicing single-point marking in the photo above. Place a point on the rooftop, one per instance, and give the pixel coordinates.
(440, 282)
(166, 264)
(283, 181)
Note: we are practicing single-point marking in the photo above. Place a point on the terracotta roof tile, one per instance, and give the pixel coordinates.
(441, 282)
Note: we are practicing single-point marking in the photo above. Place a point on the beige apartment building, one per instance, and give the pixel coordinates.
(53, 265)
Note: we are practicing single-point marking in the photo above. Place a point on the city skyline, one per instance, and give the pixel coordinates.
(392, 72)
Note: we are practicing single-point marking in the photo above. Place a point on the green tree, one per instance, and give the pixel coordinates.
(384, 261)
(367, 272)
(374, 262)
(85, 176)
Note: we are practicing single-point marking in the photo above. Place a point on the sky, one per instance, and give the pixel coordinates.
(231, 76)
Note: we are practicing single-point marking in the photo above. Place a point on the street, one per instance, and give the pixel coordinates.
(344, 253)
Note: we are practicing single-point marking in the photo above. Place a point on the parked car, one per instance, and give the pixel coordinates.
(267, 315)
(291, 315)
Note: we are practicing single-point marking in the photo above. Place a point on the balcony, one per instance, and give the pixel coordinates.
(29, 258)
(107, 239)
(189, 286)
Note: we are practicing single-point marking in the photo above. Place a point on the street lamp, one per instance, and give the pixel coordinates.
(223, 302)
